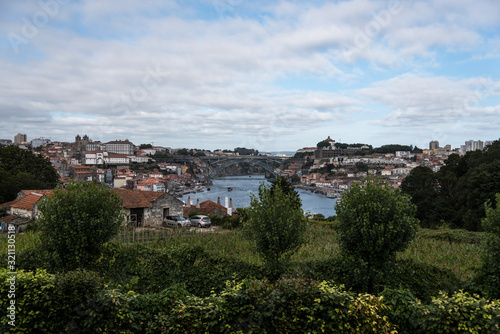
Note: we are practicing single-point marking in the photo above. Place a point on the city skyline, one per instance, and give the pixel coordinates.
(272, 76)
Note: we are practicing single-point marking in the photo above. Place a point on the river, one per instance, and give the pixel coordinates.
(243, 186)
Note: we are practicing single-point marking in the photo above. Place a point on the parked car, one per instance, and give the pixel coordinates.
(200, 221)
(176, 221)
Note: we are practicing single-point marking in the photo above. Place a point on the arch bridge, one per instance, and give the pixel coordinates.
(215, 167)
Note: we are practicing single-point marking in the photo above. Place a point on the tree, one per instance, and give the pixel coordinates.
(76, 222)
(361, 167)
(323, 143)
(287, 188)
(142, 146)
(467, 182)
(422, 185)
(21, 169)
(373, 223)
(275, 226)
(490, 267)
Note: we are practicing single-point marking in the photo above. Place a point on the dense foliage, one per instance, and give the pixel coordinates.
(21, 169)
(374, 222)
(276, 226)
(288, 189)
(423, 187)
(456, 193)
(490, 269)
(79, 302)
(76, 222)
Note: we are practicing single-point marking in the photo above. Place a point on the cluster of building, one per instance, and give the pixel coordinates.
(331, 169)
(141, 208)
(150, 196)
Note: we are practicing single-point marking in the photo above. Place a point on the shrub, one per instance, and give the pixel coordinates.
(77, 221)
(490, 268)
(276, 226)
(403, 310)
(289, 305)
(461, 313)
(34, 310)
(373, 222)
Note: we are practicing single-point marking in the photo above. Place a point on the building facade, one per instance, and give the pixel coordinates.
(20, 138)
(120, 147)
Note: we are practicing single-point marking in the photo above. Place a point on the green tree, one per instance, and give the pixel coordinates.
(490, 266)
(142, 146)
(373, 223)
(76, 222)
(21, 169)
(295, 178)
(467, 182)
(422, 185)
(275, 226)
(287, 188)
(361, 167)
(323, 143)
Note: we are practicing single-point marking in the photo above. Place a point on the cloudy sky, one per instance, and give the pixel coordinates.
(270, 75)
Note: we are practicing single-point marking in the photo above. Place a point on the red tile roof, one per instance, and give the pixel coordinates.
(28, 201)
(41, 191)
(136, 198)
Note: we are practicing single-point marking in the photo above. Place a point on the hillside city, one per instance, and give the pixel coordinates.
(328, 167)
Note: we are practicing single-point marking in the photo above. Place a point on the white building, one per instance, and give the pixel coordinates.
(120, 147)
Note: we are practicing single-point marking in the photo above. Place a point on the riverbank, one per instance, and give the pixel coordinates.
(332, 193)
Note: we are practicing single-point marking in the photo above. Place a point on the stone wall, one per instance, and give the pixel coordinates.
(154, 215)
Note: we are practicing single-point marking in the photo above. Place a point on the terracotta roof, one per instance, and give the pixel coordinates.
(209, 207)
(41, 191)
(28, 201)
(136, 198)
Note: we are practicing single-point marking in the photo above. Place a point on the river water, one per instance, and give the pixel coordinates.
(243, 186)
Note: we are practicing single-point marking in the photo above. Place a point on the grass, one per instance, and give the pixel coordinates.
(460, 255)
(461, 258)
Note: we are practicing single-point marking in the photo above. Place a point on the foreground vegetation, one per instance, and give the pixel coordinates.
(188, 272)
(369, 271)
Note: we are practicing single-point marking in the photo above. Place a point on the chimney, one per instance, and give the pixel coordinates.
(218, 200)
(198, 203)
(189, 201)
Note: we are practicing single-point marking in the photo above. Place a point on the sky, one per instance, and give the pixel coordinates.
(268, 75)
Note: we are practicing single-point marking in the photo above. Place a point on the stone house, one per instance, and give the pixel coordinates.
(148, 208)
(142, 208)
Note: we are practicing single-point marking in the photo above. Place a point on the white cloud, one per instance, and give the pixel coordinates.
(166, 69)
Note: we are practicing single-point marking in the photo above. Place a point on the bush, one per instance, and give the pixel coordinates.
(423, 280)
(289, 305)
(490, 267)
(226, 222)
(461, 313)
(76, 222)
(403, 310)
(33, 310)
(146, 270)
(276, 226)
(373, 223)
